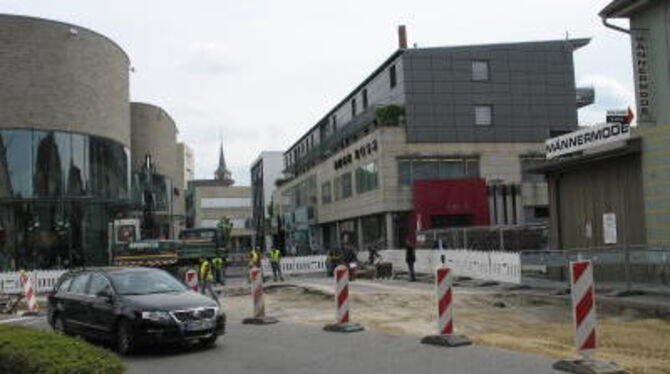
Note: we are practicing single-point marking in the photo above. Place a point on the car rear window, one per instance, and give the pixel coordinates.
(79, 283)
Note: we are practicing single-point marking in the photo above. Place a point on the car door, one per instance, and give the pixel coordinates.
(100, 309)
(74, 304)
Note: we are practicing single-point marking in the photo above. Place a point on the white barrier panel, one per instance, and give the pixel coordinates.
(486, 265)
(43, 281)
(298, 265)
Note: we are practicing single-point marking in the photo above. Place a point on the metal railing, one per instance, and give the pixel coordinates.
(626, 268)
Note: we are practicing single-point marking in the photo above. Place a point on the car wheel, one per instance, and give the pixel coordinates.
(208, 342)
(59, 325)
(125, 339)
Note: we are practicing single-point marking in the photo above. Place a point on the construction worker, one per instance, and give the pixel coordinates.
(275, 259)
(217, 264)
(206, 278)
(334, 258)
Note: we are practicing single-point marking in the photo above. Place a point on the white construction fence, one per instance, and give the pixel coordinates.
(43, 281)
(485, 265)
(298, 265)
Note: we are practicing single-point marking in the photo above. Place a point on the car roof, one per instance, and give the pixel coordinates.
(114, 270)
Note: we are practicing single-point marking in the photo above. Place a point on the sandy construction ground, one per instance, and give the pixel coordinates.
(540, 327)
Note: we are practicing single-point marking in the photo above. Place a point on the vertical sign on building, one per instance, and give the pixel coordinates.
(642, 72)
(609, 228)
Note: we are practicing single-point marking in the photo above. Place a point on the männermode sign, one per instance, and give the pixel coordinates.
(589, 137)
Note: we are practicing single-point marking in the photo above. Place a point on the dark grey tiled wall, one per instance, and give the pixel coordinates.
(531, 88)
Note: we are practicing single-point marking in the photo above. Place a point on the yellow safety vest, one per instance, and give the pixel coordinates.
(275, 255)
(206, 271)
(253, 258)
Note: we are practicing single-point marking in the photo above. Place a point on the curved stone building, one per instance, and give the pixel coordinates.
(65, 140)
(154, 134)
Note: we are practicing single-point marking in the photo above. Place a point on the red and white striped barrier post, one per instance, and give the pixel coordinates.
(445, 337)
(342, 323)
(583, 294)
(29, 293)
(259, 317)
(191, 278)
(583, 306)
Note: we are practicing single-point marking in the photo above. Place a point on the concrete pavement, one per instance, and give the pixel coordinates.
(287, 348)
(290, 348)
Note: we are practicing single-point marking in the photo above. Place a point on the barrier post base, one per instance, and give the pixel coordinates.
(344, 327)
(259, 321)
(448, 341)
(588, 366)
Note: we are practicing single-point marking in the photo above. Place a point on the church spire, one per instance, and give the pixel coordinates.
(222, 174)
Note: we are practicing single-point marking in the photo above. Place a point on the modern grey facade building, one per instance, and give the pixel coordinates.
(430, 113)
(265, 171)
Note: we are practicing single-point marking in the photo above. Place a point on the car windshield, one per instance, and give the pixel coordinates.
(145, 282)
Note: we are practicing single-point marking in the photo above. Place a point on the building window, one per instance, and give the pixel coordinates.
(337, 188)
(529, 162)
(480, 70)
(333, 121)
(347, 188)
(326, 193)
(483, 115)
(445, 168)
(365, 98)
(353, 107)
(392, 77)
(367, 177)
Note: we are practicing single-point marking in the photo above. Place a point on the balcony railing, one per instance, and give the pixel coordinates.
(366, 120)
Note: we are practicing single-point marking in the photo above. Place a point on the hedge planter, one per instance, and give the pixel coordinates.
(29, 351)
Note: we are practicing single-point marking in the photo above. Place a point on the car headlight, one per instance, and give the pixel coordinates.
(156, 316)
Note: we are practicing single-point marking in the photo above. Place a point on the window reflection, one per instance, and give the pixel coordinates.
(44, 223)
(47, 176)
(37, 163)
(17, 161)
(79, 171)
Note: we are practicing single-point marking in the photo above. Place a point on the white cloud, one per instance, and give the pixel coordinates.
(611, 94)
(208, 58)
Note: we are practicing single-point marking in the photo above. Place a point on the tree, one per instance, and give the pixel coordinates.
(224, 227)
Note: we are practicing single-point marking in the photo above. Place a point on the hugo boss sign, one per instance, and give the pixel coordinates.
(358, 153)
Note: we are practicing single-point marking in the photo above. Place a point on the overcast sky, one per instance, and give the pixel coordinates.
(258, 73)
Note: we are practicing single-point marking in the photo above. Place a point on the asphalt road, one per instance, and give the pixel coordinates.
(289, 348)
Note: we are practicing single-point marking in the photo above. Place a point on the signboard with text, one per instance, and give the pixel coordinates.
(642, 72)
(609, 228)
(586, 138)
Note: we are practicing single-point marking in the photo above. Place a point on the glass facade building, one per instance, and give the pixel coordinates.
(58, 191)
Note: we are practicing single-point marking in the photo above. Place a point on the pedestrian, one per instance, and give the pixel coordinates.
(410, 259)
(206, 277)
(217, 264)
(275, 262)
(332, 261)
(351, 262)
